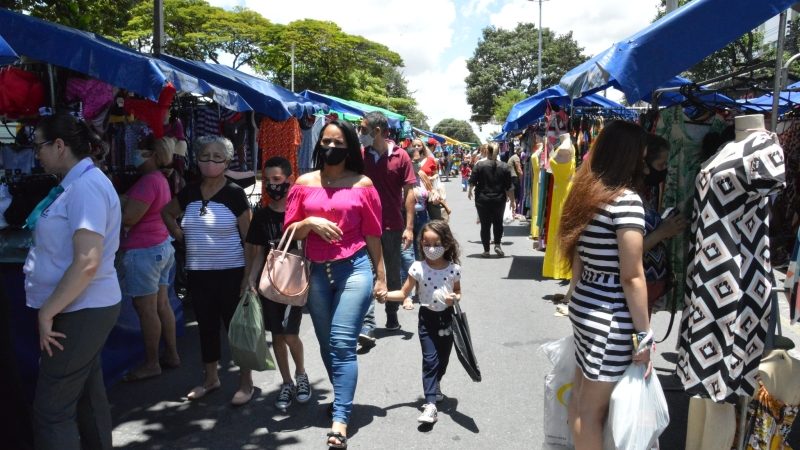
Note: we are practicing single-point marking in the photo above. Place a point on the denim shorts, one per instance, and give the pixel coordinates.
(142, 270)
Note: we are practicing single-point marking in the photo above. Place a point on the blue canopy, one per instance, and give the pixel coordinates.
(639, 64)
(100, 58)
(352, 107)
(264, 97)
(533, 108)
(673, 98)
(439, 139)
(786, 99)
(7, 54)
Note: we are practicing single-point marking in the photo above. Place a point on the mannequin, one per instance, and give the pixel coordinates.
(713, 376)
(562, 165)
(780, 373)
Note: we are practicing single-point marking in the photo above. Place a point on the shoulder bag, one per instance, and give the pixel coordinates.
(285, 278)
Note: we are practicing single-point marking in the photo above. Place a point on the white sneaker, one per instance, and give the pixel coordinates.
(429, 414)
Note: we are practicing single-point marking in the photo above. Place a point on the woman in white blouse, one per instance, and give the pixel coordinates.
(70, 278)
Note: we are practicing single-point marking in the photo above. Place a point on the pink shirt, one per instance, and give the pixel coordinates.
(356, 211)
(150, 230)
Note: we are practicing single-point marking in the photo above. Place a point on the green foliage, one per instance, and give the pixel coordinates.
(459, 130)
(506, 101)
(104, 17)
(506, 60)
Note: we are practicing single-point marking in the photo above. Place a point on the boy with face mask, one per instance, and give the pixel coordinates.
(282, 320)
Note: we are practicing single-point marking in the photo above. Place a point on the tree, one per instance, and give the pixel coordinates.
(184, 21)
(105, 17)
(459, 130)
(240, 32)
(506, 60)
(504, 103)
(326, 58)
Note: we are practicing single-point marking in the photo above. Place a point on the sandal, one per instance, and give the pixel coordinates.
(201, 391)
(338, 436)
(168, 364)
(241, 398)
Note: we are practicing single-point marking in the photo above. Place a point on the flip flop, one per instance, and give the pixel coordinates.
(201, 391)
(136, 375)
(167, 364)
(338, 436)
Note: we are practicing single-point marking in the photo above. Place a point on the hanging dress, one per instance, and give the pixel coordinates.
(729, 277)
(555, 264)
(535, 195)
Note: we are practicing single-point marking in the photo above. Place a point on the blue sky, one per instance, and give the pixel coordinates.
(435, 37)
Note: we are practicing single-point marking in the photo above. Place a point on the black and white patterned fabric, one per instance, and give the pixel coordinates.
(601, 321)
(729, 277)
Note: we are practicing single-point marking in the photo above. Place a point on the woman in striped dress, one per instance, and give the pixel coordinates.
(602, 227)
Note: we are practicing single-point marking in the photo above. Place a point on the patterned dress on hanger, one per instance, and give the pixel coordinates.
(729, 277)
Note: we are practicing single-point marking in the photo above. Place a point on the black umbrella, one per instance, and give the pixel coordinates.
(463, 342)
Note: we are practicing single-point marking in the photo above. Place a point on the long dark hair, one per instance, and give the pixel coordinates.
(450, 244)
(354, 161)
(615, 164)
(75, 133)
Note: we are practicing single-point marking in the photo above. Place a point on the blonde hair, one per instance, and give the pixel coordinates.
(164, 149)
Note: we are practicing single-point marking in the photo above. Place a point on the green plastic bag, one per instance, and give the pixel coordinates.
(247, 337)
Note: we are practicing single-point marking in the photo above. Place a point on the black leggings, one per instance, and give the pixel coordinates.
(215, 295)
(491, 215)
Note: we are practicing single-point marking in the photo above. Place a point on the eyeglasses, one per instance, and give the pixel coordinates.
(214, 160)
(37, 146)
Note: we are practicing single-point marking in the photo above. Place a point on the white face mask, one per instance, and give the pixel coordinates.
(366, 140)
(433, 253)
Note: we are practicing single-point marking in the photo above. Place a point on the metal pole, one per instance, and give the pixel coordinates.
(292, 66)
(539, 76)
(158, 26)
(778, 71)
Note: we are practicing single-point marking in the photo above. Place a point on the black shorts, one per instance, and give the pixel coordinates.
(274, 314)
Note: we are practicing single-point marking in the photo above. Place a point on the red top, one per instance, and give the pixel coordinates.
(390, 173)
(466, 170)
(429, 166)
(355, 210)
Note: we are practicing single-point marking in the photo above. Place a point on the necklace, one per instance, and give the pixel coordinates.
(328, 182)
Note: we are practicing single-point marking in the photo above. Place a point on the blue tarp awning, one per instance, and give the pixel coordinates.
(641, 63)
(264, 97)
(7, 54)
(673, 98)
(533, 108)
(439, 139)
(100, 58)
(353, 107)
(786, 100)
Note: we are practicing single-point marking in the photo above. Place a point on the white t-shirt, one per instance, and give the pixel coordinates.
(433, 285)
(89, 202)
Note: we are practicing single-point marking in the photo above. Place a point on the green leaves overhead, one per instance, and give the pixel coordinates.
(459, 130)
(506, 60)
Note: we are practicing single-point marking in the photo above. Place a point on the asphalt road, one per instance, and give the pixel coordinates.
(511, 315)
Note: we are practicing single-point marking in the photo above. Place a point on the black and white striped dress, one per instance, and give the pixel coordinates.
(600, 318)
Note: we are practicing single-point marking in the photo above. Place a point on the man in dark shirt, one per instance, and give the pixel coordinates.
(392, 172)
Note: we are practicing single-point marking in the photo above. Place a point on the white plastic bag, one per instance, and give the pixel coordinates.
(508, 215)
(637, 413)
(558, 389)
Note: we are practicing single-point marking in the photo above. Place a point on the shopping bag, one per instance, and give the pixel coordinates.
(558, 389)
(508, 215)
(637, 412)
(247, 337)
(462, 341)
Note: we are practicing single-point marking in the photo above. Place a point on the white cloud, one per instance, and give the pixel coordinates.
(595, 24)
(419, 38)
(477, 7)
(440, 92)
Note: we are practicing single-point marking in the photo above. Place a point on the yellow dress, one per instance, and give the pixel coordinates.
(535, 195)
(555, 264)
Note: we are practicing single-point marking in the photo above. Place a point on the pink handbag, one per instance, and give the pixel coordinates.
(286, 275)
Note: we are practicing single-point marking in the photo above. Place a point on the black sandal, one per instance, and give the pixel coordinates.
(340, 437)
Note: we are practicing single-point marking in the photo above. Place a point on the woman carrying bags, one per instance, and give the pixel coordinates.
(214, 219)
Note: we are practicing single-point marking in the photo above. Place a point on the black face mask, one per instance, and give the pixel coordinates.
(277, 191)
(333, 155)
(655, 177)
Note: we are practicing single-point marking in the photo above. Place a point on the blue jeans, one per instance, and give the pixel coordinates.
(392, 244)
(420, 219)
(339, 295)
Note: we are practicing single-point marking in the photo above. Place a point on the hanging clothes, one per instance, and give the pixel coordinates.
(310, 135)
(279, 139)
(729, 276)
(535, 194)
(787, 202)
(792, 282)
(556, 264)
(682, 167)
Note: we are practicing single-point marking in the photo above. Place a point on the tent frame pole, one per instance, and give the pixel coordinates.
(778, 71)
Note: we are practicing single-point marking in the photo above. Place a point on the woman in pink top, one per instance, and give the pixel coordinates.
(337, 211)
(146, 256)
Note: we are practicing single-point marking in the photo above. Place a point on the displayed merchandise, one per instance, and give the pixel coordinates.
(562, 165)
